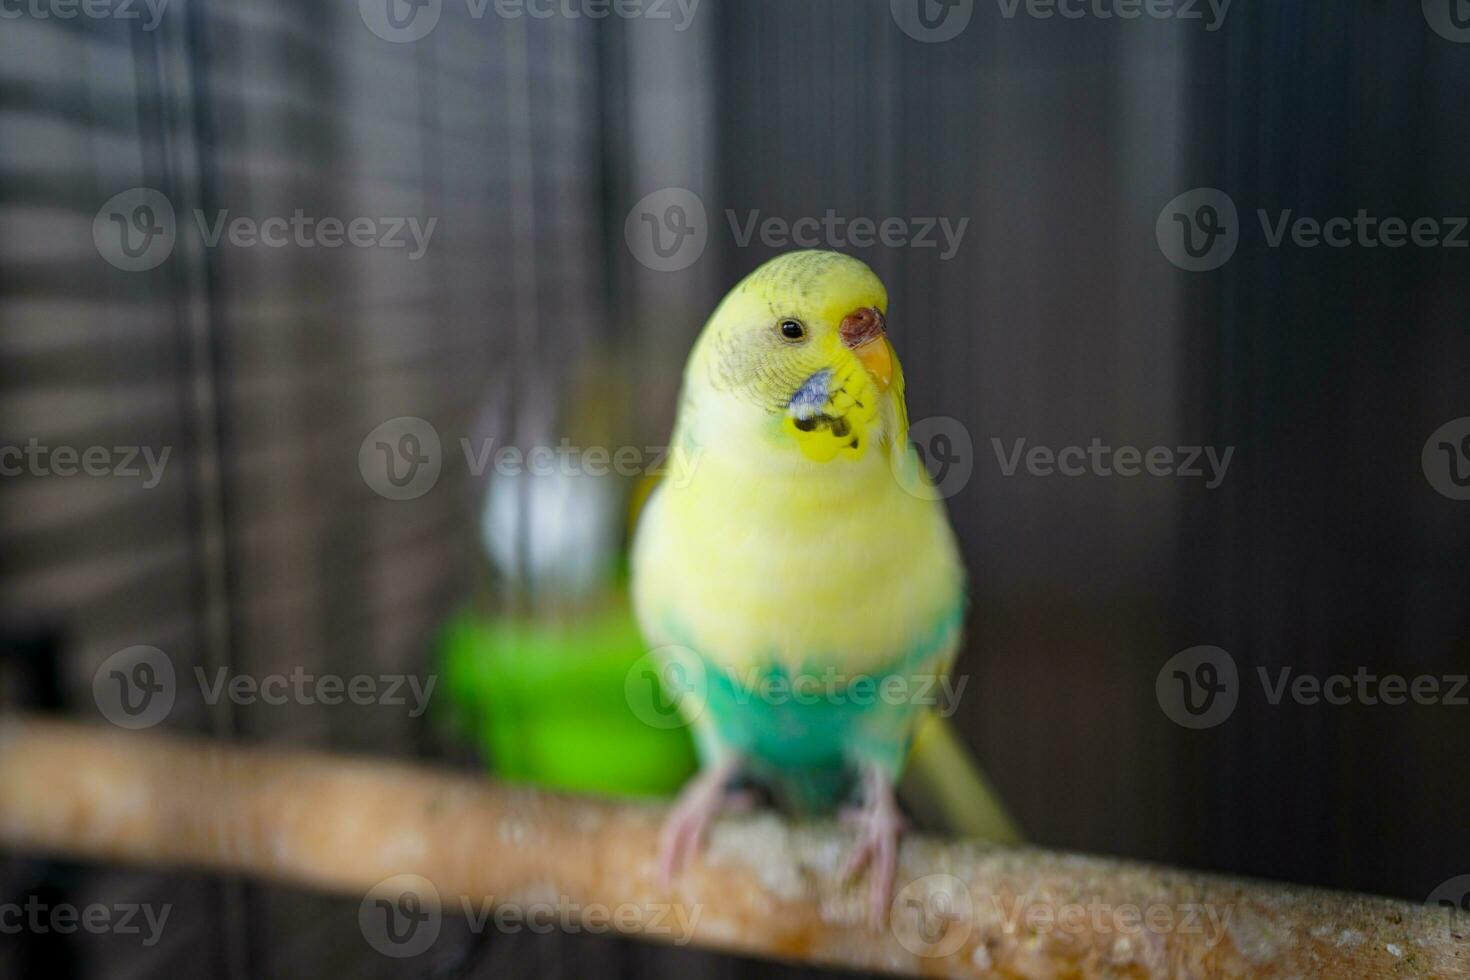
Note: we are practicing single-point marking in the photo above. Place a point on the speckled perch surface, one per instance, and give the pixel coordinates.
(764, 888)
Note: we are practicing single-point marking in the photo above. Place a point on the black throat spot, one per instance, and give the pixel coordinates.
(840, 426)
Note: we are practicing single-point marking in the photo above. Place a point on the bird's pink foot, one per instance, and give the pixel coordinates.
(880, 825)
(701, 799)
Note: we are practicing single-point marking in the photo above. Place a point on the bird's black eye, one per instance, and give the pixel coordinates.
(792, 329)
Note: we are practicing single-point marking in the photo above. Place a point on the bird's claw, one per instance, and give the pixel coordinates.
(683, 831)
(880, 825)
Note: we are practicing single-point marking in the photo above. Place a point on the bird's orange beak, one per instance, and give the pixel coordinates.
(864, 332)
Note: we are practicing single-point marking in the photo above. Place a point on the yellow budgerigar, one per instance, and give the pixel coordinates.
(799, 581)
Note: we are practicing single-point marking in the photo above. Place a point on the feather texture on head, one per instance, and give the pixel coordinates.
(799, 350)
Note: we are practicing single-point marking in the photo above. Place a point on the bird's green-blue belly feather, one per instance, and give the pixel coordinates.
(801, 731)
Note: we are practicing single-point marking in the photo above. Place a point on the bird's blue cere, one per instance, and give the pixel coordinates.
(812, 395)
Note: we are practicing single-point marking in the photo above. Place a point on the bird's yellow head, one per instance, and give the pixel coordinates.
(800, 349)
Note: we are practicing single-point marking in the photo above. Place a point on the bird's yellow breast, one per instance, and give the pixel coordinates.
(758, 556)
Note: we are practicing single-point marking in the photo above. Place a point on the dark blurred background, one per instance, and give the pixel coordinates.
(533, 316)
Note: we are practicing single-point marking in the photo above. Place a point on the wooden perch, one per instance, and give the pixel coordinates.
(765, 888)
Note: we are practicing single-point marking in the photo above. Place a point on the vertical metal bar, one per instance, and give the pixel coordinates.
(205, 417)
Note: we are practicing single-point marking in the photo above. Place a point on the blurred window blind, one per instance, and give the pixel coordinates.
(260, 548)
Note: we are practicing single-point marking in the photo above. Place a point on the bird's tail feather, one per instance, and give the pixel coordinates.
(946, 775)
